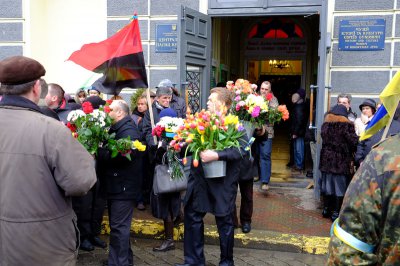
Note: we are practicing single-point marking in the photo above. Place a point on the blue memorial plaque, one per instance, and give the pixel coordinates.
(166, 38)
(362, 34)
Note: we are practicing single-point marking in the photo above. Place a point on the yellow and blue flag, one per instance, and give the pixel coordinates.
(390, 98)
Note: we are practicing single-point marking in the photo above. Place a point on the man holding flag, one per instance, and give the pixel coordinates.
(367, 231)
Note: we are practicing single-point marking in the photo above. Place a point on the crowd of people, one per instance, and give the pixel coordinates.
(67, 190)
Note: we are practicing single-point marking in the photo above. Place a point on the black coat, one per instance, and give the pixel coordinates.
(339, 142)
(216, 195)
(121, 176)
(179, 105)
(365, 146)
(298, 117)
(146, 124)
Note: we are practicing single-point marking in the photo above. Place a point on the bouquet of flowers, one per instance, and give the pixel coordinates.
(166, 130)
(90, 127)
(206, 131)
(249, 106)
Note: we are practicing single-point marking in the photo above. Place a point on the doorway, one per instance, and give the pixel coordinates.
(279, 49)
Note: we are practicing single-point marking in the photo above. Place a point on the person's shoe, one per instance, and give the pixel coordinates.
(334, 216)
(165, 246)
(246, 228)
(141, 206)
(256, 178)
(86, 245)
(309, 174)
(264, 187)
(289, 164)
(98, 242)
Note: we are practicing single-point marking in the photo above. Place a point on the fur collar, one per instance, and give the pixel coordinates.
(331, 118)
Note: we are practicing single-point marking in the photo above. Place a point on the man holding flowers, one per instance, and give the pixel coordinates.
(213, 195)
(121, 175)
(264, 139)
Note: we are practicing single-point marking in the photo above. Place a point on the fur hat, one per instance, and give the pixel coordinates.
(368, 102)
(339, 109)
(168, 112)
(19, 70)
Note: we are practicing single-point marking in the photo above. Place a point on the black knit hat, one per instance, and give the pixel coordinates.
(368, 102)
(339, 109)
(96, 101)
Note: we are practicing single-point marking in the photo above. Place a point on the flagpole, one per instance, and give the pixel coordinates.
(385, 132)
(149, 104)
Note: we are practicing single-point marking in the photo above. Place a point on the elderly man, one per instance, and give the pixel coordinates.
(163, 99)
(345, 99)
(122, 178)
(177, 103)
(41, 166)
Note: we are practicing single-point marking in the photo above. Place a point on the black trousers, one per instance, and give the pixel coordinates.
(89, 210)
(194, 237)
(246, 203)
(120, 213)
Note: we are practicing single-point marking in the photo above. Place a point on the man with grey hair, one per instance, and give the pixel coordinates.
(41, 167)
(345, 99)
(163, 100)
(122, 178)
(177, 103)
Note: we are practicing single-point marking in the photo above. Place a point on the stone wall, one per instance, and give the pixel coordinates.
(364, 74)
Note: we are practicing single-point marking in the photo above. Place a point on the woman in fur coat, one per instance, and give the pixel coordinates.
(339, 142)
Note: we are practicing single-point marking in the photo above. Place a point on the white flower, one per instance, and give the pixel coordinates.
(170, 123)
(73, 115)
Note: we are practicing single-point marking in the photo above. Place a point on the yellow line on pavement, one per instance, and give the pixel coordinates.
(300, 243)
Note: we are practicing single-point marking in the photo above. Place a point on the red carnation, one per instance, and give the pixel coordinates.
(109, 102)
(71, 127)
(269, 96)
(107, 109)
(87, 107)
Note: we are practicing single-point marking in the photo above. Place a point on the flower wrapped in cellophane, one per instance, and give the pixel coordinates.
(165, 130)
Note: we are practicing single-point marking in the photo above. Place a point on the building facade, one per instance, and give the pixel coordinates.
(294, 43)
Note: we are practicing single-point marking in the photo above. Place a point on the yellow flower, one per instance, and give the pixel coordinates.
(202, 139)
(138, 145)
(231, 119)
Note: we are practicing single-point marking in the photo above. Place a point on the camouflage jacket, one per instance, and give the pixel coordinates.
(371, 209)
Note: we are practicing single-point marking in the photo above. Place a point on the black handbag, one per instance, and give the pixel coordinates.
(163, 183)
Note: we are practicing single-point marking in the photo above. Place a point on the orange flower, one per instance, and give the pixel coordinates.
(195, 162)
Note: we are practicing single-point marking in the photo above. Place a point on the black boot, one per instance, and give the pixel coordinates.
(338, 205)
(327, 211)
(168, 243)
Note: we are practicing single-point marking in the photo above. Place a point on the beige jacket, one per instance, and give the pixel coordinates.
(41, 166)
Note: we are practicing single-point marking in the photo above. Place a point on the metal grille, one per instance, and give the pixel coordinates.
(193, 78)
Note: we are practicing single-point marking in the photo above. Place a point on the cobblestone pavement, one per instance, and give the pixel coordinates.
(142, 249)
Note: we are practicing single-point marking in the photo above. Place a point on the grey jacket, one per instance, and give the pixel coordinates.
(41, 166)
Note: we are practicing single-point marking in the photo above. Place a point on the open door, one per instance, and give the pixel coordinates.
(194, 51)
(321, 91)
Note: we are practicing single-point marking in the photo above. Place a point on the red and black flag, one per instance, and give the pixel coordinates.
(119, 58)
